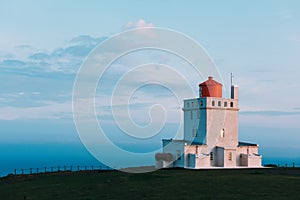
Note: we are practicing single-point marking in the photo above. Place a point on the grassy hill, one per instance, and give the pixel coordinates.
(278, 183)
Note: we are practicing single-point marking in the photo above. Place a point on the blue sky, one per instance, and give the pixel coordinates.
(43, 43)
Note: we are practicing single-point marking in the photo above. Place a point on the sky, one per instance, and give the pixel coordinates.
(44, 43)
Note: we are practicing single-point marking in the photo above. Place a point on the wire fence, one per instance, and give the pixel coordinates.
(60, 169)
(286, 165)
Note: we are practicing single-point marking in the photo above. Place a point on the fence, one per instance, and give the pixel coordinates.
(60, 169)
(286, 165)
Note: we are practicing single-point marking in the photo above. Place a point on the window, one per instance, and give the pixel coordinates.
(192, 104)
(191, 114)
(193, 133)
(188, 104)
(201, 103)
(229, 156)
(231, 104)
(213, 103)
(219, 103)
(222, 133)
(211, 156)
(225, 104)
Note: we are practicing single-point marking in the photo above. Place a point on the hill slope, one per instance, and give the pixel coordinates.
(162, 184)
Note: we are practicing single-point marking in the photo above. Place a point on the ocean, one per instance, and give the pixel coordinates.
(26, 156)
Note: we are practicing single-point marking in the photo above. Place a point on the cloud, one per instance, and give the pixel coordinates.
(52, 110)
(141, 23)
(294, 38)
(269, 113)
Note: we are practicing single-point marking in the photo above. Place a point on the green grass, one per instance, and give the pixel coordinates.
(162, 184)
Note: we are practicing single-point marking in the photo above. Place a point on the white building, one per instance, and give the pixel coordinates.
(210, 134)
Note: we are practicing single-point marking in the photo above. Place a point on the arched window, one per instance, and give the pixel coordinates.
(222, 133)
(213, 103)
(219, 103)
(231, 104)
(229, 156)
(225, 104)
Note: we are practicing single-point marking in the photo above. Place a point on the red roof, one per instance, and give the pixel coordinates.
(210, 82)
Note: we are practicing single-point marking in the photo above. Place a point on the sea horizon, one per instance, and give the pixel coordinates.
(25, 156)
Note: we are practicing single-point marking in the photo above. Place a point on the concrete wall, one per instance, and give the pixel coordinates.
(244, 150)
(229, 161)
(176, 148)
(195, 120)
(222, 118)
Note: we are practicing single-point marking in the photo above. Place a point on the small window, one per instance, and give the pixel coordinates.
(222, 133)
(213, 103)
(229, 156)
(225, 104)
(211, 156)
(188, 104)
(201, 103)
(192, 104)
(231, 104)
(219, 103)
(191, 114)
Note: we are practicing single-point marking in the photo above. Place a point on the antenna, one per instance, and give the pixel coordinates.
(231, 78)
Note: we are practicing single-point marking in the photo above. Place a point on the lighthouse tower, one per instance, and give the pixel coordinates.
(210, 133)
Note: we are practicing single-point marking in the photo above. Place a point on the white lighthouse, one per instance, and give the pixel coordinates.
(210, 133)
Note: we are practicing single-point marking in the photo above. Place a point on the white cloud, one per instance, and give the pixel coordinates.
(141, 23)
(52, 110)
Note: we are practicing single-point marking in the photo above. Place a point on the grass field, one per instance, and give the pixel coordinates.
(277, 183)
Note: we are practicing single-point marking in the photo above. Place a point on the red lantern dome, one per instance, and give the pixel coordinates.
(210, 88)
